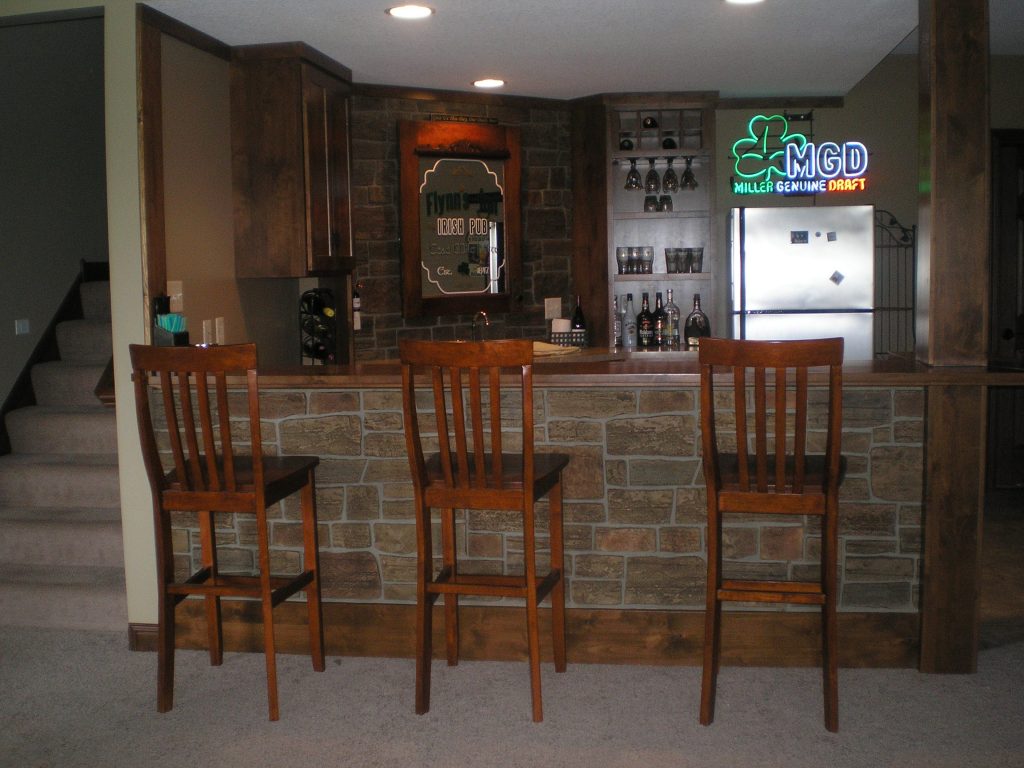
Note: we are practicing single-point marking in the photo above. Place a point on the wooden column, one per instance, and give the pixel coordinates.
(952, 323)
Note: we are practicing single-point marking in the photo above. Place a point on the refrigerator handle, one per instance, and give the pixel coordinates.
(742, 253)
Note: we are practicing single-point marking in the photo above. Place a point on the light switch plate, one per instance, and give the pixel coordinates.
(176, 293)
(552, 308)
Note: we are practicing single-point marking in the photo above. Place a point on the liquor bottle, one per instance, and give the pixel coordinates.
(671, 332)
(616, 322)
(645, 324)
(629, 324)
(659, 321)
(357, 314)
(697, 324)
(578, 322)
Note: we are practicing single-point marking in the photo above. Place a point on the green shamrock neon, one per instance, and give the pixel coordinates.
(761, 154)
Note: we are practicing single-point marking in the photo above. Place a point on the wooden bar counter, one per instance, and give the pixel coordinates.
(634, 515)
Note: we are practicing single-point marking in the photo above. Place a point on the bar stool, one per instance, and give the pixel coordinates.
(204, 474)
(773, 474)
(475, 473)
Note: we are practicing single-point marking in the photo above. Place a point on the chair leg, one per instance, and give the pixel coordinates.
(712, 623)
(424, 607)
(829, 624)
(311, 563)
(214, 632)
(270, 652)
(532, 613)
(451, 600)
(558, 591)
(165, 618)
(267, 605)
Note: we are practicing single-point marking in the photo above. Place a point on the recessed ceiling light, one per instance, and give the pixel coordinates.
(489, 82)
(744, 2)
(410, 11)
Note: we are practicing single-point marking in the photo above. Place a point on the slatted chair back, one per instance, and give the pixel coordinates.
(465, 378)
(203, 457)
(770, 427)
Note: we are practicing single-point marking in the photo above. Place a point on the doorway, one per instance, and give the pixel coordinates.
(1002, 584)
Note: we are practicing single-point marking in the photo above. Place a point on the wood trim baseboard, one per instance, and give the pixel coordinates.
(594, 636)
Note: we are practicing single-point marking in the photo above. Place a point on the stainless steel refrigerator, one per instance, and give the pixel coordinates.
(801, 273)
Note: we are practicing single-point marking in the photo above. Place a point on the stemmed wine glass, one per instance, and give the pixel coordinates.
(669, 180)
(689, 180)
(633, 180)
(653, 182)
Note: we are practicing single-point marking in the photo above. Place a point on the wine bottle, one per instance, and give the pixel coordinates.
(616, 322)
(697, 324)
(659, 321)
(671, 323)
(357, 315)
(629, 324)
(645, 324)
(578, 322)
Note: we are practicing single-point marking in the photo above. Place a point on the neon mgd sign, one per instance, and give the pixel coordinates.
(772, 160)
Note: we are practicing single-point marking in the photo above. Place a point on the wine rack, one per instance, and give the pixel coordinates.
(318, 327)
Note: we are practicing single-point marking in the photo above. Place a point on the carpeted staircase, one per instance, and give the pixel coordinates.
(61, 556)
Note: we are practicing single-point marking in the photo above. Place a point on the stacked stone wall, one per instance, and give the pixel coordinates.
(634, 500)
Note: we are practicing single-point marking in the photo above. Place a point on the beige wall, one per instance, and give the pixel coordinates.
(197, 186)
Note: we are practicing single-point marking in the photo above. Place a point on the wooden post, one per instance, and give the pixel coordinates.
(952, 322)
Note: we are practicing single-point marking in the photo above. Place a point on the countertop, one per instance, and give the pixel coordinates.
(596, 367)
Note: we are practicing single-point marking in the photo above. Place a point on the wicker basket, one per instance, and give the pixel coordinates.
(577, 338)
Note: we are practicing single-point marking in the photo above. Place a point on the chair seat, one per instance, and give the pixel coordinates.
(733, 497)
(282, 476)
(507, 493)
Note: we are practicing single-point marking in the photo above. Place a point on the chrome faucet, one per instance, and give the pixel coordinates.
(481, 315)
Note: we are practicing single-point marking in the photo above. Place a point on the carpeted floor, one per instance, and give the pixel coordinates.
(82, 699)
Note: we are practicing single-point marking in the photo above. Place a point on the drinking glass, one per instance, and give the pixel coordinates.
(653, 181)
(633, 180)
(689, 181)
(669, 180)
(647, 260)
(697, 259)
(634, 261)
(622, 258)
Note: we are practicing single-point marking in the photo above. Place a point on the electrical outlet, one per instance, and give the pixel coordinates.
(21, 327)
(176, 293)
(218, 329)
(552, 308)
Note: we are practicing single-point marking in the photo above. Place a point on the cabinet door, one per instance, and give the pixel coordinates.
(326, 144)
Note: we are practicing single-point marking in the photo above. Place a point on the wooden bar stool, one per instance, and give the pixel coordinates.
(475, 473)
(204, 474)
(774, 474)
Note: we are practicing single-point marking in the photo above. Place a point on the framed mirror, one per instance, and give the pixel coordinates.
(460, 217)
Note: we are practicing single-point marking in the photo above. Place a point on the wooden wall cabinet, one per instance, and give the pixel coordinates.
(608, 133)
(290, 162)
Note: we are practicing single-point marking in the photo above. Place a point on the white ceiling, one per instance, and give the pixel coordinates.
(569, 48)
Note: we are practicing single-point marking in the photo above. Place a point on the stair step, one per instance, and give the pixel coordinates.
(60, 382)
(62, 429)
(71, 597)
(85, 341)
(53, 536)
(59, 480)
(96, 300)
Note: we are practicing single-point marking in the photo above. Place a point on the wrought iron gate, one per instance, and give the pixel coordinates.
(895, 281)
